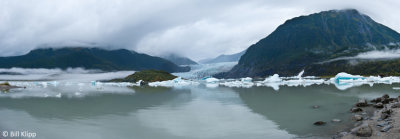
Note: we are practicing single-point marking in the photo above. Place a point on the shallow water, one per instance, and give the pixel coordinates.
(78, 110)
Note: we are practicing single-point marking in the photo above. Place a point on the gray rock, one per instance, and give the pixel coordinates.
(387, 111)
(356, 110)
(384, 116)
(362, 103)
(383, 124)
(386, 128)
(364, 131)
(377, 100)
(395, 105)
(357, 117)
(385, 96)
(378, 105)
(315, 107)
(318, 123)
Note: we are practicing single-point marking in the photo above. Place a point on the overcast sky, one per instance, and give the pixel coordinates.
(197, 29)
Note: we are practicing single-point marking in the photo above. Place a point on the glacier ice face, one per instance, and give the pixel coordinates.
(206, 70)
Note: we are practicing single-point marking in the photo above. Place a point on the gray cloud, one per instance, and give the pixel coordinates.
(196, 28)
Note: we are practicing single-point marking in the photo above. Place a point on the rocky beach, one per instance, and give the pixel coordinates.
(382, 124)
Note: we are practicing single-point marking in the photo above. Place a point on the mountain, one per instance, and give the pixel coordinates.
(89, 58)
(224, 58)
(179, 60)
(306, 41)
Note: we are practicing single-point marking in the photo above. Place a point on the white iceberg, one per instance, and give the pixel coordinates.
(244, 83)
(345, 77)
(177, 82)
(273, 79)
(211, 80)
(247, 79)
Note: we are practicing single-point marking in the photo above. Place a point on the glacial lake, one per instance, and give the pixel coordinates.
(75, 109)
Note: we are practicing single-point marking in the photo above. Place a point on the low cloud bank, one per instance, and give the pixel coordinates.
(371, 55)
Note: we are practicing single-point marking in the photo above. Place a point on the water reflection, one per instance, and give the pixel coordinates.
(291, 108)
(192, 112)
(89, 107)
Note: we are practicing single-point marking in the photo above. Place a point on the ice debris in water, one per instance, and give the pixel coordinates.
(243, 82)
(177, 82)
(247, 79)
(345, 77)
(344, 80)
(272, 79)
(211, 80)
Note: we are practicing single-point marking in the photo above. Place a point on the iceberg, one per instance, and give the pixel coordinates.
(345, 77)
(247, 79)
(272, 79)
(177, 82)
(238, 84)
(211, 80)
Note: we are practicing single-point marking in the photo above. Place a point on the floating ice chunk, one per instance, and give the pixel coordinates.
(44, 84)
(345, 77)
(77, 93)
(396, 88)
(177, 82)
(118, 84)
(213, 85)
(247, 79)
(211, 80)
(93, 83)
(272, 79)
(245, 83)
(58, 95)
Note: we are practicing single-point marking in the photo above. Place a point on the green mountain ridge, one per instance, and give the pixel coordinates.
(302, 42)
(89, 58)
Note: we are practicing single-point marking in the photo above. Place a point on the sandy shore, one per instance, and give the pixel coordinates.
(384, 124)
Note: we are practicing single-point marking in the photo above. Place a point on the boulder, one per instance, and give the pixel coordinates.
(318, 123)
(383, 124)
(356, 110)
(386, 128)
(385, 96)
(376, 100)
(362, 103)
(378, 105)
(357, 117)
(395, 105)
(387, 111)
(384, 116)
(364, 131)
(385, 100)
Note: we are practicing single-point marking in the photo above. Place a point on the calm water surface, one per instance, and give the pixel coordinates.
(77, 111)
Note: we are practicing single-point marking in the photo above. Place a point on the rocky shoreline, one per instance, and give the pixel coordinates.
(382, 125)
